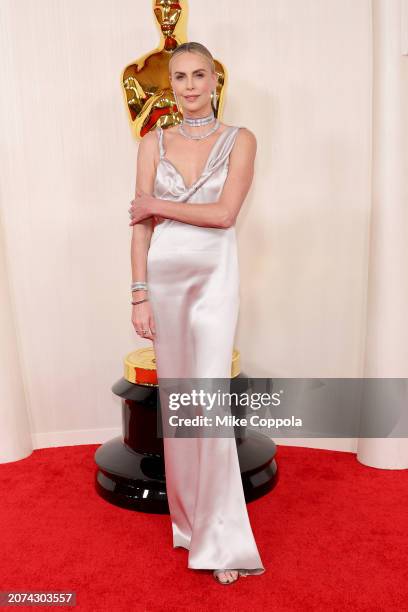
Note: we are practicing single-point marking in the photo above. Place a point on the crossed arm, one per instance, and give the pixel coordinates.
(221, 214)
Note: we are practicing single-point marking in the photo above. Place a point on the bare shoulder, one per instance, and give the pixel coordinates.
(172, 129)
(149, 140)
(247, 137)
(245, 145)
(148, 150)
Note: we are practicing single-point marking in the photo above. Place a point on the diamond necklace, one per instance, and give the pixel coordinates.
(199, 120)
(197, 136)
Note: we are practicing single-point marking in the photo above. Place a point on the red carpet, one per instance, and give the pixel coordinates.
(332, 535)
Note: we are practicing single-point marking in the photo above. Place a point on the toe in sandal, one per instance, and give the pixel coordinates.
(220, 571)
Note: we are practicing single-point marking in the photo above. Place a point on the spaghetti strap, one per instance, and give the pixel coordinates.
(160, 137)
(227, 145)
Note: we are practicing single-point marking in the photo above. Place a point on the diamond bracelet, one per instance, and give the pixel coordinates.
(138, 285)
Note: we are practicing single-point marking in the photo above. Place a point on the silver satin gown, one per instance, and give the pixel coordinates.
(193, 281)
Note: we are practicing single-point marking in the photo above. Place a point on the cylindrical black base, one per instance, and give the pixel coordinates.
(131, 469)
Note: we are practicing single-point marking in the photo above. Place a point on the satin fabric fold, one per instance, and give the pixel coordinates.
(193, 281)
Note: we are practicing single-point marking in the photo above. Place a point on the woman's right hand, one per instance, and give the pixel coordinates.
(142, 318)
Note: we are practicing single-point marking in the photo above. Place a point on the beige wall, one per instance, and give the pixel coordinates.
(299, 78)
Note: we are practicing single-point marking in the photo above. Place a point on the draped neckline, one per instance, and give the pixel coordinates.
(166, 159)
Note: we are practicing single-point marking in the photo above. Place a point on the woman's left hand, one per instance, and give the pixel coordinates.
(141, 207)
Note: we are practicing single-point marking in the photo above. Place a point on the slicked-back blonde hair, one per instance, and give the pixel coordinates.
(194, 47)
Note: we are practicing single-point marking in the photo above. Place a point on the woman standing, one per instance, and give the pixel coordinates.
(192, 180)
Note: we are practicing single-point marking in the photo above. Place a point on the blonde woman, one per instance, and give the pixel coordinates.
(192, 180)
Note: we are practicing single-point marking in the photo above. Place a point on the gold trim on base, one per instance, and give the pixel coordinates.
(140, 366)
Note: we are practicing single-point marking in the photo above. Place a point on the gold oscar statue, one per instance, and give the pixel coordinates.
(147, 90)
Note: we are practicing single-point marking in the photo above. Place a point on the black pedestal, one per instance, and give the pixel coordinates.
(131, 470)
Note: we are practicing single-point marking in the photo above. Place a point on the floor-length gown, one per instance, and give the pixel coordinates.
(193, 285)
